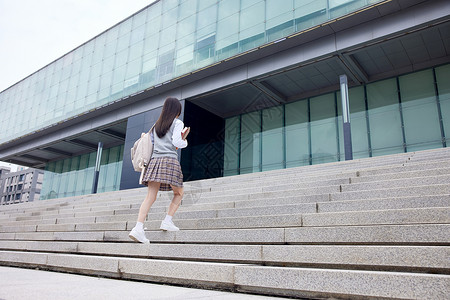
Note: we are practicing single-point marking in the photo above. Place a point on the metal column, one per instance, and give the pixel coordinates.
(346, 118)
(97, 167)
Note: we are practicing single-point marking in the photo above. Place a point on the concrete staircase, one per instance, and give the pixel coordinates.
(376, 227)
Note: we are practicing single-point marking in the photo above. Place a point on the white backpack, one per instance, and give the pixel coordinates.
(141, 153)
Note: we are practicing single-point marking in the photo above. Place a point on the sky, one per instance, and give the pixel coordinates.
(34, 33)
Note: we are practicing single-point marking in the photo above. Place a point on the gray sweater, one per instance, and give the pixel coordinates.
(168, 144)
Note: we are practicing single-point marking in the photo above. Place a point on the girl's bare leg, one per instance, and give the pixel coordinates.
(152, 192)
(176, 201)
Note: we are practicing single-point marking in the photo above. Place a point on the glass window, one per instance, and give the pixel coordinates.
(309, 13)
(184, 60)
(384, 117)
(81, 174)
(420, 111)
(186, 27)
(136, 51)
(137, 35)
(187, 9)
(252, 16)
(248, 3)
(207, 17)
(228, 8)
(202, 4)
(443, 86)
(123, 42)
(169, 4)
(204, 50)
(112, 34)
(133, 70)
(272, 138)
(324, 138)
(250, 142)
(231, 147)
(121, 58)
(153, 25)
(166, 64)
(252, 27)
(279, 16)
(167, 36)
(169, 18)
(139, 19)
(297, 134)
(151, 44)
(227, 31)
(125, 27)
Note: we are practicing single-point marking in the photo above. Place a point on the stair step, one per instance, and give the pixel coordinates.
(323, 283)
(420, 258)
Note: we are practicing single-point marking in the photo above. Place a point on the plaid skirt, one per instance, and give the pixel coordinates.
(165, 170)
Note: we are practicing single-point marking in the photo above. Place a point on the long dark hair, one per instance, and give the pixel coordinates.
(171, 109)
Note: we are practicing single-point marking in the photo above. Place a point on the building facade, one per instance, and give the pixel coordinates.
(21, 186)
(259, 81)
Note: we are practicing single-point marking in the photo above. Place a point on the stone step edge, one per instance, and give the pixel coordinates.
(219, 213)
(425, 215)
(279, 280)
(244, 204)
(423, 259)
(417, 234)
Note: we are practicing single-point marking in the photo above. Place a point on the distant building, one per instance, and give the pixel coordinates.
(3, 172)
(21, 186)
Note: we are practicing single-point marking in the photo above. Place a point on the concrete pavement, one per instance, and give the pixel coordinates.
(20, 284)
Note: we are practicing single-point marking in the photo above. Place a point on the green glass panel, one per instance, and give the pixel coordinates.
(90, 173)
(103, 171)
(81, 174)
(443, 86)
(297, 134)
(73, 176)
(324, 146)
(119, 165)
(420, 111)
(231, 147)
(62, 191)
(272, 138)
(384, 117)
(250, 142)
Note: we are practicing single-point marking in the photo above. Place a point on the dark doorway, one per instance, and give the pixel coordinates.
(203, 158)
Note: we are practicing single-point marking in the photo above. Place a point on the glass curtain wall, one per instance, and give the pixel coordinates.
(74, 176)
(402, 114)
(168, 39)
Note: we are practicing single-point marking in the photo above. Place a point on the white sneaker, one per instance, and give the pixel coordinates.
(138, 236)
(169, 226)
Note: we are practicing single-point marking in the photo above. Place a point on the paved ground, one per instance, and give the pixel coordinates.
(18, 283)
